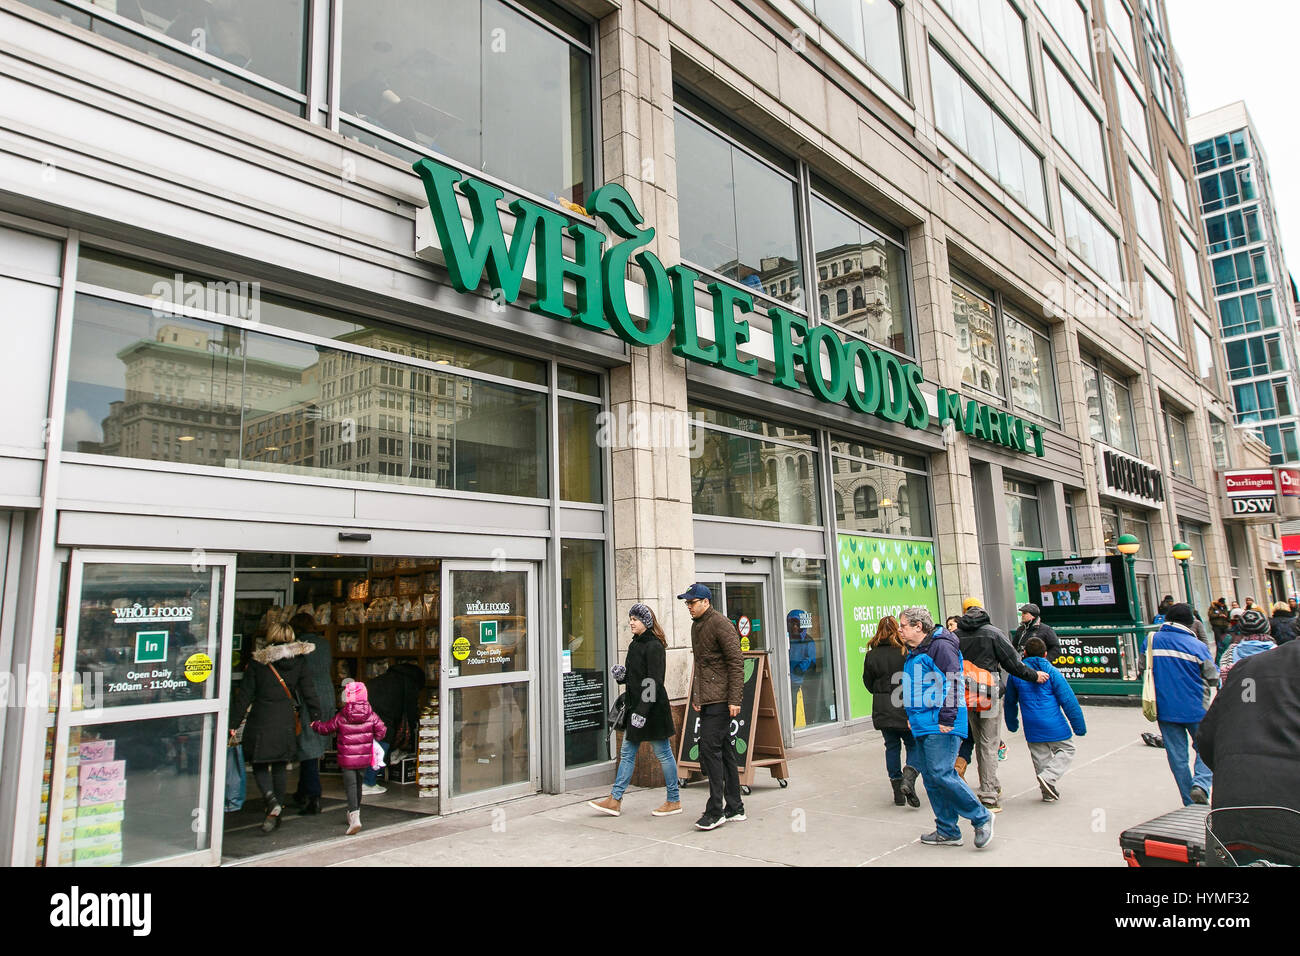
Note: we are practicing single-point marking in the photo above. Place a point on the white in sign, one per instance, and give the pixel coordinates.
(743, 626)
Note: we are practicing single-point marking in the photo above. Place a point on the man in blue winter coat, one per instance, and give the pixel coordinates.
(1049, 711)
(803, 657)
(1185, 676)
(934, 695)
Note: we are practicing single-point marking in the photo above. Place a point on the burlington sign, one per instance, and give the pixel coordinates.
(870, 381)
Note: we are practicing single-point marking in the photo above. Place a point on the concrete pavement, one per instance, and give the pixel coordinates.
(838, 810)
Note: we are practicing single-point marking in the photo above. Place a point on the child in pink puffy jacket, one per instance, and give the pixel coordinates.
(358, 728)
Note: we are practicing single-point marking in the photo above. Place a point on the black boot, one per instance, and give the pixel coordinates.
(273, 814)
(899, 798)
(310, 805)
(908, 786)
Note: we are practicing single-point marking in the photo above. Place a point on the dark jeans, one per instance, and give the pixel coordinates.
(895, 741)
(718, 761)
(352, 787)
(309, 779)
(270, 779)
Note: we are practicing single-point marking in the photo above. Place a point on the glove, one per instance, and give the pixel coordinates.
(619, 672)
(638, 721)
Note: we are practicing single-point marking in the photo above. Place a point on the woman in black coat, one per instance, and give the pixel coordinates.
(267, 698)
(881, 673)
(650, 718)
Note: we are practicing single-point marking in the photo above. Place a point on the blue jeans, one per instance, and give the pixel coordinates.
(1176, 743)
(627, 761)
(949, 796)
(372, 775)
(896, 740)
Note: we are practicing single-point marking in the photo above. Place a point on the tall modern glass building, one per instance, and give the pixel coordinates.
(1251, 283)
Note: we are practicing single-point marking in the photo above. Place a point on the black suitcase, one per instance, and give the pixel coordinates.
(1174, 839)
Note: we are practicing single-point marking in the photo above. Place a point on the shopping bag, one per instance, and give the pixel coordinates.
(376, 755)
(1149, 685)
(236, 779)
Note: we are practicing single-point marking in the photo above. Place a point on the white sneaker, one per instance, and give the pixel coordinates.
(372, 791)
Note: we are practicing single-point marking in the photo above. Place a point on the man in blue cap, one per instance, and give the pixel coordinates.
(717, 690)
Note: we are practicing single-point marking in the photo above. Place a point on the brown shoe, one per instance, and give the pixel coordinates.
(608, 805)
(960, 767)
(668, 809)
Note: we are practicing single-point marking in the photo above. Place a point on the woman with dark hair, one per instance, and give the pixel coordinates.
(882, 673)
(267, 699)
(649, 716)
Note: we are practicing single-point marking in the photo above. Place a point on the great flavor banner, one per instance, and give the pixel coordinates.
(879, 577)
(1018, 575)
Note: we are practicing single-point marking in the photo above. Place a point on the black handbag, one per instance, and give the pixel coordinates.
(618, 713)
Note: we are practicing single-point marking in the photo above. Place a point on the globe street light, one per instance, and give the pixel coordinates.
(1128, 546)
(1183, 555)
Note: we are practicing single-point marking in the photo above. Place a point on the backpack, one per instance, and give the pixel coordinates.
(981, 686)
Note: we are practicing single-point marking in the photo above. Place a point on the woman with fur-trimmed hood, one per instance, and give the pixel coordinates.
(275, 680)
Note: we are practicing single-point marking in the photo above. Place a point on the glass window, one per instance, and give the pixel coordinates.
(1120, 22)
(1247, 313)
(808, 631)
(1022, 514)
(737, 214)
(1074, 125)
(580, 451)
(1070, 22)
(575, 380)
(736, 476)
(1262, 401)
(1180, 452)
(1240, 271)
(1132, 114)
(1030, 365)
(480, 82)
(873, 29)
(1227, 188)
(1232, 230)
(1204, 354)
(1117, 415)
(1193, 537)
(1219, 442)
(978, 353)
(998, 30)
(1282, 443)
(1255, 356)
(258, 38)
(1223, 150)
(1191, 268)
(890, 492)
(1160, 305)
(875, 271)
(966, 118)
(1177, 182)
(584, 640)
(1089, 238)
(1092, 395)
(1147, 208)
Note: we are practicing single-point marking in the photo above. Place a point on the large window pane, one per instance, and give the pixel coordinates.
(1204, 355)
(1120, 429)
(812, 691)
(580, 456)
(1120, 22)
(1068, 19)
(1147, 208)
(1191, 268)
(1022, 514)
(1180, 452)
(1089, 238)
(999, 31)
(977, 341)
(1092, 395)
(871, 270)
(870, 28)
(874, 498)
(739, 477)
(583, 651)
(1177, 182)
(737, 214)
(1074, 125)
(1160, 308)
(476, 81)
(1030, 364)
(1132, 114)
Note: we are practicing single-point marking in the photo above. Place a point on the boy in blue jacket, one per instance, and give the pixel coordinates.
(1049, 711)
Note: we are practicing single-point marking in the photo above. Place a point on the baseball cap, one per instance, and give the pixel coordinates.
(1254, 622)
(696, 592)
(969, 603)
(1031, 609)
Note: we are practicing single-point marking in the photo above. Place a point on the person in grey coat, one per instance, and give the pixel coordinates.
(311, 747)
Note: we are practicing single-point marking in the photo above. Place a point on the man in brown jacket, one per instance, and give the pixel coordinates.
(717, 691)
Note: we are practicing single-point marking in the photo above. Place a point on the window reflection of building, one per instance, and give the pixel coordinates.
(977, 342)
(742, 477)
(855, 277)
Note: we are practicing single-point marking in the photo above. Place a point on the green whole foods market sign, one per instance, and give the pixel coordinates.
(890, 388)
(879, 577)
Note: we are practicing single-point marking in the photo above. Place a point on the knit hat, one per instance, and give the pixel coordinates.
(643, 614)
(1281, 606)
(1235, 613)
(1254, 622)
(971, 602)
(1180, 614)
(355, 693)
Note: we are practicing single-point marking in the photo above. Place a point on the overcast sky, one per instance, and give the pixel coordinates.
(1246, 50)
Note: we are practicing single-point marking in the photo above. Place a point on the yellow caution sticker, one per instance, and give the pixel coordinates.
(198, 668)
(744, 643)
(460, 648)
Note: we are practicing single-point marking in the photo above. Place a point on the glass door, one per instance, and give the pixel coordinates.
(138, 765)
(489, 701)
(746, 607)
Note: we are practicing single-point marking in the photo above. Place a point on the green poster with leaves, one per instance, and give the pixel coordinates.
(879, 577)
(1019, 577)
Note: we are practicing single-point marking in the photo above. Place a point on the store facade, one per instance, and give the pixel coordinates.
(612, 334)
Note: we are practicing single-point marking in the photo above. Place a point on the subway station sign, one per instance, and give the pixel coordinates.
(835, 371)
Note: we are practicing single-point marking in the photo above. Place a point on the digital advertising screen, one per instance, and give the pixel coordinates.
(1078, 589)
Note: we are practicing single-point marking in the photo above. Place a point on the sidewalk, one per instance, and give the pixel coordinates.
(838, 810)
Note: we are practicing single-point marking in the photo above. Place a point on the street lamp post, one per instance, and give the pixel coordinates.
(1183, 555)
(1128, 546)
